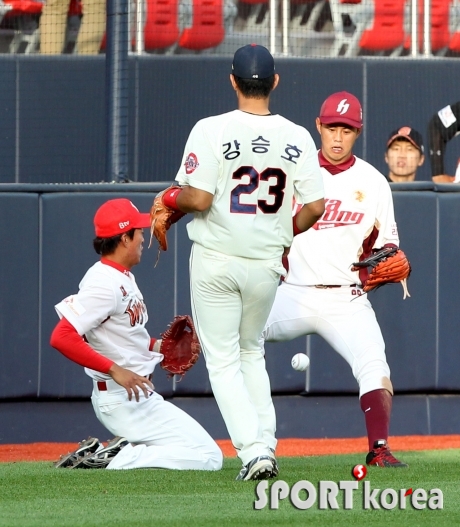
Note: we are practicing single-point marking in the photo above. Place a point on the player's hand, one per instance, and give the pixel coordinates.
(443, 178)
(131, 382)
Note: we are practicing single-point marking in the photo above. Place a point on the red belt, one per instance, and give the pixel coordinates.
(102, 385)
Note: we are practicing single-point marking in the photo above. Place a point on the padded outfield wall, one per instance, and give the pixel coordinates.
(53, 138)
(44, 396)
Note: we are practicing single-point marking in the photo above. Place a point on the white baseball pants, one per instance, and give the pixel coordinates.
(160, 434)
(343, 317)
(231, 299)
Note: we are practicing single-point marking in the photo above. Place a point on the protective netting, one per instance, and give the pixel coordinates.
(303, 28)
(71, 111)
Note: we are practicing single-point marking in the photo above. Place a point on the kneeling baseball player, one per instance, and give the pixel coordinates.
(102, 328)
(323, 292)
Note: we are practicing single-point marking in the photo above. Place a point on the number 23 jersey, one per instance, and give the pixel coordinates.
(253, 165)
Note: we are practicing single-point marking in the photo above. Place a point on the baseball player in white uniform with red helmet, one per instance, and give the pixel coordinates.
(120, 356)
(240, 172)
(321, 294)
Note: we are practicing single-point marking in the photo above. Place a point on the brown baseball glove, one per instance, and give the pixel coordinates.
(161, 219)
(388, 265)
(180, 346)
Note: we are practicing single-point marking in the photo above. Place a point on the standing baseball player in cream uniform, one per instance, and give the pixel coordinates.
(119, 356)
(321, 294)
(240, 171)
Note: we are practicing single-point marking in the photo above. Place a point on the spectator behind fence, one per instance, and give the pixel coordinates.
(404, 154)
(442, 127)
(53, 24)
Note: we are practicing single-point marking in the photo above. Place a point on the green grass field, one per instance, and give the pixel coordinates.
(37, 494)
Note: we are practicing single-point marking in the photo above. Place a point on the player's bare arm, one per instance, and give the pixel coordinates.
(443, 178)
(192, 199)
(309, 214)
(130, 381)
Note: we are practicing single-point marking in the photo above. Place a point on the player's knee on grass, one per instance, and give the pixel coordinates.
(215, 459)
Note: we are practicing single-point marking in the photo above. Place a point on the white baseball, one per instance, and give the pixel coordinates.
(300, 362)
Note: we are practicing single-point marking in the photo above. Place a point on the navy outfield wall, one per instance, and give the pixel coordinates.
(52, 248)
(53, 124)
(49, 249)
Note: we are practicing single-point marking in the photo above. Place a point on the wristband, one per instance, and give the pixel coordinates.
(170, 198)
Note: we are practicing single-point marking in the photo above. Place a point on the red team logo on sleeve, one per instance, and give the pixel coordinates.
(191, 163)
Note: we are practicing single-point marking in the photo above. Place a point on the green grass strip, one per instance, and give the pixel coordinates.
(38, 495)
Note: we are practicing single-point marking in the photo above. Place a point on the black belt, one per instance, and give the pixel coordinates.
(322, 286)
(102, 385)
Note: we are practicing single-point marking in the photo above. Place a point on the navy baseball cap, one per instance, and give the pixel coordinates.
(409, 134)
(253, 62)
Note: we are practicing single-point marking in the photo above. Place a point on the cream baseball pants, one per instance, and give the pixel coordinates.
(231, 299)
(160, 434)
(344, 317)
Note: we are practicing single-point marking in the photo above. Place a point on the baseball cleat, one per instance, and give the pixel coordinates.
(381, 456)
(276, 469)
(262, 467)
(87, 446)
(102, 457)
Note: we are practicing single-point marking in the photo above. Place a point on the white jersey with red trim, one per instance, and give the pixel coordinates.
(253, 178)
(358, 217)
(109, 311)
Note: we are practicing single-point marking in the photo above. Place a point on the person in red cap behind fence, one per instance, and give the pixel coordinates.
(404, 154)
(320, 293)
(102, 328)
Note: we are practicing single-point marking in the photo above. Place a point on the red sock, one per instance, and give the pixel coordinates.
(376, 406)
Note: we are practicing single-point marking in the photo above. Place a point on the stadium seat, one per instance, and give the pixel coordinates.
(207, 29)
(387, 30)
(454, 44)
(350, 18)
(21, 7)
(26, 13)
(22, 20)
(440, 32)
(161, 27)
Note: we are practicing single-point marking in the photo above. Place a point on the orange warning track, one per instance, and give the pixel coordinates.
(286, 447)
